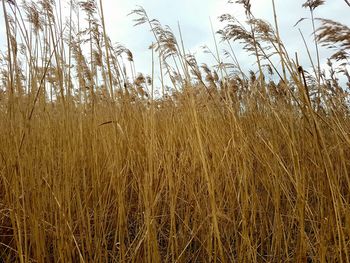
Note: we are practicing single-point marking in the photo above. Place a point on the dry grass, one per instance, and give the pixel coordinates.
(222, 168)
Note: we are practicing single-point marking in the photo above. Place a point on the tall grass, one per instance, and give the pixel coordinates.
(223, 167)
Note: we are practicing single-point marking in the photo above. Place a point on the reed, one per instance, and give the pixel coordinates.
(225, 166)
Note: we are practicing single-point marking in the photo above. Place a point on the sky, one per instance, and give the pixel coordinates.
(194, 17)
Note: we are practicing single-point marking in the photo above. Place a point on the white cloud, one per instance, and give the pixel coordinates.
(193, 16)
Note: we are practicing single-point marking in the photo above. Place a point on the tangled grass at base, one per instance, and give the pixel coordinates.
(224, 166)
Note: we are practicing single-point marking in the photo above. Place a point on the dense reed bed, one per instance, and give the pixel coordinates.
(225, 166)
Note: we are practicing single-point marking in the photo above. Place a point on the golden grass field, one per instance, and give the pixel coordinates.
(223, 167)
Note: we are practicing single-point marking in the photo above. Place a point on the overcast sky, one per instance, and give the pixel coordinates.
(194, 17)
